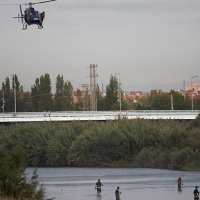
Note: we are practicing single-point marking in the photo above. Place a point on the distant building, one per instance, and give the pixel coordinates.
(156, 91)
(135, 96)
(77, 97)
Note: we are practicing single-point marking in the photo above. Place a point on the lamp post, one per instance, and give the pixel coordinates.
(3, 103)
(172, 106)
(15, 93)
(119, 91)
(14, 89)
(192, 78)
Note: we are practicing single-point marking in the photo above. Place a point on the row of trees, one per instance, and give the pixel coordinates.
(40, 97)
(163, 102)
(141, 143)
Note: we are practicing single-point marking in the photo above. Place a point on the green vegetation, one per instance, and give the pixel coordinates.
(165, 144)
(13, 181)
(41, 98)
(163, 102)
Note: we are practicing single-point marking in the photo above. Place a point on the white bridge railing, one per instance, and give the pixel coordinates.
(97, 115)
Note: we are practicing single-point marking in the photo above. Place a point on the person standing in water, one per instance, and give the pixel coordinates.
(196, 193)
(180, 183)
(117, 193)
(98, 187)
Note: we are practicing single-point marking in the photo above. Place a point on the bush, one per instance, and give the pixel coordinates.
(179, 159)
(13, 181)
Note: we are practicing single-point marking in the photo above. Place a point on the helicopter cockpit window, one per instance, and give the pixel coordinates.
(34, 14)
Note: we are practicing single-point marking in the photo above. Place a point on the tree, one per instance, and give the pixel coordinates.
(195, 123)
(68, 96)
(161, 102)
(45, 102)
(35, 95)
(179, 103)
(111, 98)
(16, 84)
(24, 102)
(100, 100)
(17, 92)
(8, 107)
(59, 96)
(13, 181)
(79, 103)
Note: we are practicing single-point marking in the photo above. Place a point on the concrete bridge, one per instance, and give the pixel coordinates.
(97, 115)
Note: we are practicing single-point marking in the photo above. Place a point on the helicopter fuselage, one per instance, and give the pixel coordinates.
(32, 16)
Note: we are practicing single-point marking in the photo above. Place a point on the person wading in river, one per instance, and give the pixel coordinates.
(180, 183)
(117, 193)
(196, 193)
(98, 187)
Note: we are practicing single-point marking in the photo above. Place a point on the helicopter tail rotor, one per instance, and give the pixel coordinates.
(18, 18)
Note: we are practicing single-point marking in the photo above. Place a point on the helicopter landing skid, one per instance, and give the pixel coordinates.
(24, 26)
(40, 27)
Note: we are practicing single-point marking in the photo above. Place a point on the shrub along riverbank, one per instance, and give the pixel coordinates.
(13, 181)
(165, 144)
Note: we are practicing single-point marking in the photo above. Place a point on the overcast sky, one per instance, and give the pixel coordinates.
(153, 44)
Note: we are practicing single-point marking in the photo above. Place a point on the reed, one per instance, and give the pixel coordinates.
(91, 143)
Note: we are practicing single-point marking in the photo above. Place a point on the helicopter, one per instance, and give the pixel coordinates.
(31, 16)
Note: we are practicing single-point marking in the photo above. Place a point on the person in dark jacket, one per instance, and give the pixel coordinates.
(98, 186)
(117, 193)
(196, 193)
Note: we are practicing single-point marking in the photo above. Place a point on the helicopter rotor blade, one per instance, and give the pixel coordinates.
(12, 4)
(21, 13)
(43, 2)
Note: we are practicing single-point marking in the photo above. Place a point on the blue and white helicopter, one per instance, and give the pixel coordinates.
(31, 16)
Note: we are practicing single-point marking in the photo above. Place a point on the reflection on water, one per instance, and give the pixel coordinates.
(150, 184)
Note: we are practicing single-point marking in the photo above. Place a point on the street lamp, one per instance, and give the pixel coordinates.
(119, 91)
(15, 93)
(192, 78)
(14, 88)
(3, 103)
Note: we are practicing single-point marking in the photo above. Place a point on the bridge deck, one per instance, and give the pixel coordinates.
(97, 115)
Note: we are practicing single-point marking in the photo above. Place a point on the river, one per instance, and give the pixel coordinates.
(134, 183)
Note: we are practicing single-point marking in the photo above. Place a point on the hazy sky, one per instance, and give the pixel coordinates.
(153, 44)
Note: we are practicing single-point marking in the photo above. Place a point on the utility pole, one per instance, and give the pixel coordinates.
(93, 88)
